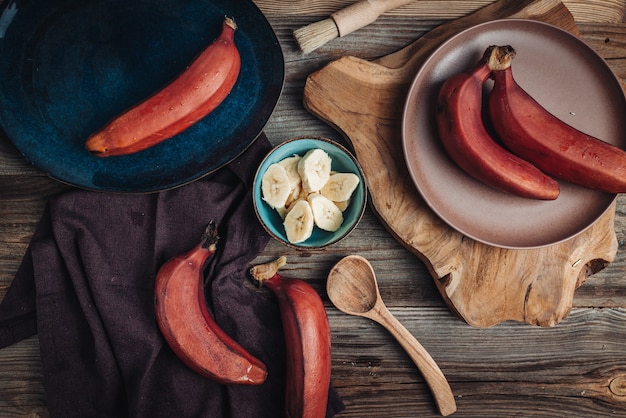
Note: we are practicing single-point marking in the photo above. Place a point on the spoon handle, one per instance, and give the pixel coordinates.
(433, 375)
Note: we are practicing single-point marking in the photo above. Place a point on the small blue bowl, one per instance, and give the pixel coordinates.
(342, 161)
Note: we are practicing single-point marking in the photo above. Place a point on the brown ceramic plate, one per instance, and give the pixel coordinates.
(563, 74)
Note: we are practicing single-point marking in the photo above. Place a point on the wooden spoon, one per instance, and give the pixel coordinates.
(352, 288)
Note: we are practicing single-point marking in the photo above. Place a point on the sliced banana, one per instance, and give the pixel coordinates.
(343, 205)
(276, 186)
(326, 214)
(314, 169)
(299, 222)
(282, 212)
(340, 186)
(296, 193)
(306, 193)
(290, 165)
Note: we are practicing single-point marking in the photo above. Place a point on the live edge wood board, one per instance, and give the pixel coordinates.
(483, 285)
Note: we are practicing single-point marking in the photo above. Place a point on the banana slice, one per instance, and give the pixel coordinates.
(282, 212)
(276, 186)
(290, 164)
(314, 169)
(326, 214)
(299, 222)
(343, 205)
(296, 193)
(340, 186)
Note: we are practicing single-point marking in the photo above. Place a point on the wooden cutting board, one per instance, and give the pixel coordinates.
(483, 285)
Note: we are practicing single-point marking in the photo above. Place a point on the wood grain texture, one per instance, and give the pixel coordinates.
(529, 380)
(583, 11)
(510, 369)
(364, 99)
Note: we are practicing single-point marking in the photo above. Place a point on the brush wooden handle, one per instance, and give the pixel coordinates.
(362, 13)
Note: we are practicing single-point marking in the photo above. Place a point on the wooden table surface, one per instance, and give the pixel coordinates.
(576, 368)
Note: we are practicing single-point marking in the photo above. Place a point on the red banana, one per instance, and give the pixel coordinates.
(466, 140)
(555, 147)
(187, 99)
(307, 338)
(189, 328)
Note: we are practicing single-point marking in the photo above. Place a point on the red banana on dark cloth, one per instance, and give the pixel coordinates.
(86, 287)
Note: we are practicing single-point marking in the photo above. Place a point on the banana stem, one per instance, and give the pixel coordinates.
(210, 237)
(263, 272)
(500, 57)
(230, 21)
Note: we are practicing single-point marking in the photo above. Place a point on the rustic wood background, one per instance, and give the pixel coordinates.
(577, 368)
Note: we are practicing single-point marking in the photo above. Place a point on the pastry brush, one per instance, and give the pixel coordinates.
(343, 22)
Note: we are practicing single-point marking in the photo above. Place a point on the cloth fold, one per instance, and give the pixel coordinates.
(86, 287)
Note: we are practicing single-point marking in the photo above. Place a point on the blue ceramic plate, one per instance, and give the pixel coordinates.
(68, 66)
(342, 162)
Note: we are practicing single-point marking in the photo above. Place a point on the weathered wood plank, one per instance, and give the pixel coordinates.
(583, 11)
(21, 381)
(507, 370)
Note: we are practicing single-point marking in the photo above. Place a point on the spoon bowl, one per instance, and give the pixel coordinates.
(352, 288)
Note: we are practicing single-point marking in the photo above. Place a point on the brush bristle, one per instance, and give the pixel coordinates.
(316, 34)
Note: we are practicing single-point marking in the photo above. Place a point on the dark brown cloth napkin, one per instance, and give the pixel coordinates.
(86, 284)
